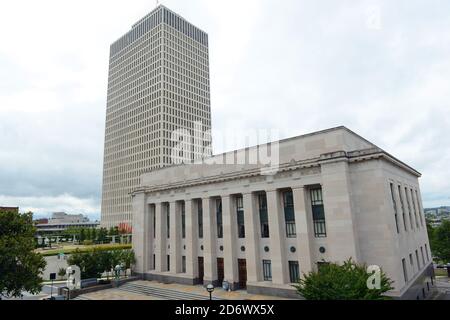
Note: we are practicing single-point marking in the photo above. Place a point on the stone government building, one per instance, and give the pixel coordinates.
(335, 196)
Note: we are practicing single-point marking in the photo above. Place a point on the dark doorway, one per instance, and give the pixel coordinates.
(220, 271)
(200, 269)
(242, 266)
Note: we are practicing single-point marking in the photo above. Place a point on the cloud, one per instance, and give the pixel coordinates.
(44, 206)
(379, 67)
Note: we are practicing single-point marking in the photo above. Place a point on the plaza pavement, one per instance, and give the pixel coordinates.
(219, 293)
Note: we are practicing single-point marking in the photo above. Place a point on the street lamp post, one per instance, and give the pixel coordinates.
(210, 289)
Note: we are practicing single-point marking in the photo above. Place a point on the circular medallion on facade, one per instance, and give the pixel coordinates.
(266, 249)
(221, 248)
(322, 250)
(293, 249)
(201, 247)
(242, 248)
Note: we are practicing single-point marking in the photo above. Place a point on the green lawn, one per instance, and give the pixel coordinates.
(440, 272)
(71, 248)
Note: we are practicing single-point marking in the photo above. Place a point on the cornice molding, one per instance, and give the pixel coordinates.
(337, 156)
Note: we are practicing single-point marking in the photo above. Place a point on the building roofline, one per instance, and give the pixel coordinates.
(268, 142)
(352, 156)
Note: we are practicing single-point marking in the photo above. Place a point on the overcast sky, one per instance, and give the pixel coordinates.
(381, 68)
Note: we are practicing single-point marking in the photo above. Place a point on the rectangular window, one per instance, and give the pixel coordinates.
(409, 209)
(200, 219)
(154, 262)
(183, 221)
(415, 209)
(423, 257)
(168, 222)
(240, 217)
(420, 208)
(400, 195)
(426, 252)
(168, 262)
(394, 204)
(294, 271)
(183, 264)
(263, 216)
(318, 213)
(417, 259)
(411, 261)
(267, 270)
(219, 218)
(154, 224)
(289, 215)
(405, 271)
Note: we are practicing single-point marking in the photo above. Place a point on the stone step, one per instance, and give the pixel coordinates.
(168, 294)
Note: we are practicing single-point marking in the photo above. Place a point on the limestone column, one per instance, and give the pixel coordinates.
(191, 238)
(160, 238)
(209, 241)
(252, 236)
(141, 241)
(229, 217)
(277, 238)
(304, 230)
(175, 237)
(339, 214)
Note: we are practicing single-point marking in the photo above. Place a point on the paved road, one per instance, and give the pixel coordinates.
(46, 290)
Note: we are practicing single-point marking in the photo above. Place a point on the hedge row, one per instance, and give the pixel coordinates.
(87, 249)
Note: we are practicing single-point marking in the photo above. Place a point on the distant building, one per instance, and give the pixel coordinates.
(41, 221)
(61, 221)
(158, 83)
(10, 209)
(436, 215)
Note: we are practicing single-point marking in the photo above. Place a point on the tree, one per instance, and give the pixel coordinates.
(102, 234)
(62, 272)
(342, 282)
(114, 231)
(93, 234)
(128, 259)
(88, 263)
(82, 235)
(20, 266)
(440, 242)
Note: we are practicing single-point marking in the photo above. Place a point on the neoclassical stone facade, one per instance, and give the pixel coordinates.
(334, 196)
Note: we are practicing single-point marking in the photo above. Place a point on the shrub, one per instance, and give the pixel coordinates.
(342, 282)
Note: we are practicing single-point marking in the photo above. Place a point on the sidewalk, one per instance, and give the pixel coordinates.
(443, 287)
(117, 294)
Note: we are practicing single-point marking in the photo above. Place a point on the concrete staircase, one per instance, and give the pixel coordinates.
(166, 294)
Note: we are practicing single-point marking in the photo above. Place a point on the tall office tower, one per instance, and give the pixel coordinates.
(158, 83)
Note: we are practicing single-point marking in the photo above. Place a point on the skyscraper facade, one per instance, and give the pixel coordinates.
(158, 94)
